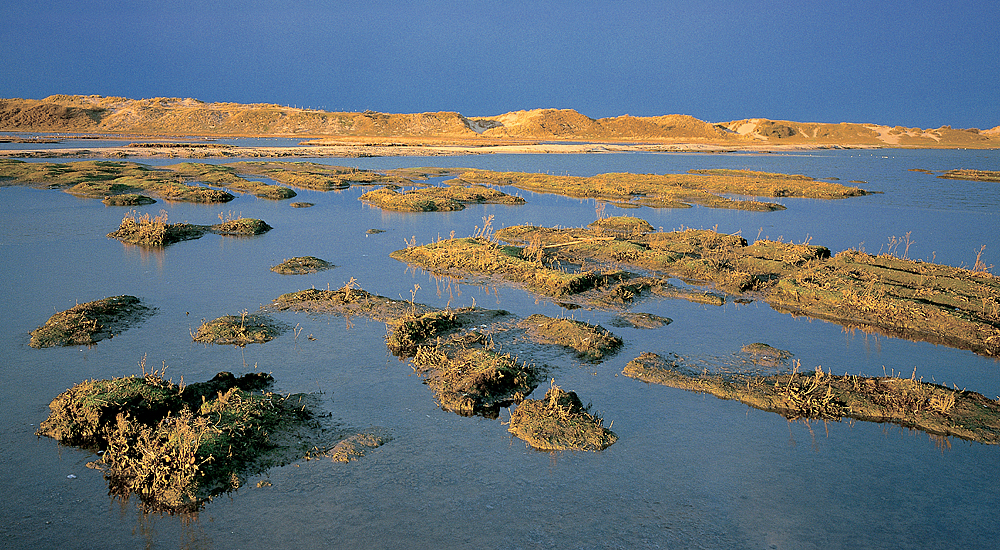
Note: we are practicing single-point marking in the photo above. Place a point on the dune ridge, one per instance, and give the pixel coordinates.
(187, 116)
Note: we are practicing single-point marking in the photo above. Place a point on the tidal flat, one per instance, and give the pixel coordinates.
(684, 470)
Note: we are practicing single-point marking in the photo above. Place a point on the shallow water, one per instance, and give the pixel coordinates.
(688, 471)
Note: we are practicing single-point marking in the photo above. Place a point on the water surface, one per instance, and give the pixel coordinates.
(689, 471)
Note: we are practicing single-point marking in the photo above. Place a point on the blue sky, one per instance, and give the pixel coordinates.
(910, 63)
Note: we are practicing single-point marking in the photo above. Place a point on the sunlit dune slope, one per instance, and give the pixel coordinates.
(176, 116)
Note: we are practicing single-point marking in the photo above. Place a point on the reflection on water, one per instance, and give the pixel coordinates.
(688, 470)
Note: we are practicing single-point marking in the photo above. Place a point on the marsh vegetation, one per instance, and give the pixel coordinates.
(176, 446)
(886, 293)
(910, 402)
(156, 231)
(88, 323)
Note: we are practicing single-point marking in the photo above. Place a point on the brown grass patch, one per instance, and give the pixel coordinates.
(86, 324)
(560, 422)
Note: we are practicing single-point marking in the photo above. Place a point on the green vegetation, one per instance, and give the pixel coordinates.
(155, 231)
(89, 323)
(436, 199)
(701, 187)
(910, 402)
(238, 330)
(591, 342)
(560, 422)
(302, 265)
(175, 446)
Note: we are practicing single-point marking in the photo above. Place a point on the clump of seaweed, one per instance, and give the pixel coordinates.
(176, 447)
(591, 342)
(301, 265)
(86, 324)
(239, 330)
(910, 402)
(560, 422)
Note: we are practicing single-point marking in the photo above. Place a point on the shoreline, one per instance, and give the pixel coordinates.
(209, 150)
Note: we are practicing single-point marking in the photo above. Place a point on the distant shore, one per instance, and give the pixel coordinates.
(209, 151)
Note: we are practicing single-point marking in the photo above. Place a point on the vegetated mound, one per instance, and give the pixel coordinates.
(474, 378)
(437, 199)
(239, 330)
(887, 294)
(89, 323)
(128, 199)
(625, 225)
(701, 187)
(301, 265)
(348, 301)
(409, 332)
(537, 268)
(560, 422)
(176, 447)
(157, 232)
(319, 177)
(973, 175)
(591, 342)
(909, 402)
(99, 179)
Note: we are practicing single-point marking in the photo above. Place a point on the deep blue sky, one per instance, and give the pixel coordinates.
(912, 63)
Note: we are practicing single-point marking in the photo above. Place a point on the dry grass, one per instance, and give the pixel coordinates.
(560, 422)
(239, 330)
(301, 265)
(474, 380)
(591, 342)
(909, 402)
(701, 187)
(86, 324)
(436, 199)
(175, 447)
